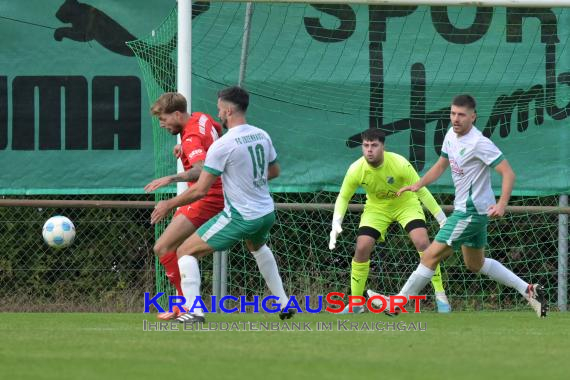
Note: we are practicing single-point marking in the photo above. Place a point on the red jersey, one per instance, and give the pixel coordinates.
(198, 135)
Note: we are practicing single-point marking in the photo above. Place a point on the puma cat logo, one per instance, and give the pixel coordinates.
(89, 23)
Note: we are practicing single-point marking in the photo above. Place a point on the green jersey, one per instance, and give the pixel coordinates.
(381, 185)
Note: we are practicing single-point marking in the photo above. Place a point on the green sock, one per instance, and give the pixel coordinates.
(436, 280)
(358, 277)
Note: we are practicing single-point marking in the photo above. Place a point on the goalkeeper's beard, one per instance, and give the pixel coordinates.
(373, 162)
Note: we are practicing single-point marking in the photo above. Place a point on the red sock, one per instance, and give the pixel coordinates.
(170, 263)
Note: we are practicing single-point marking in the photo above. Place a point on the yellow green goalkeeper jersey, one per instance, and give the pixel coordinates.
(381, 185)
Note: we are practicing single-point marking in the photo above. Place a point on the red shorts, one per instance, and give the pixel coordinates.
(201, 211)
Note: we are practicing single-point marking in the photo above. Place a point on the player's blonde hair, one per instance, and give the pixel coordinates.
(169, 102)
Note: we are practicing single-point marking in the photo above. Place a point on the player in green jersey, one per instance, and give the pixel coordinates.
(471, 156)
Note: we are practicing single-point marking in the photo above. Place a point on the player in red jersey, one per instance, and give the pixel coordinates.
(197, 133)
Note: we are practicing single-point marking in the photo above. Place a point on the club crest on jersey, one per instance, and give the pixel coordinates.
(390, 180)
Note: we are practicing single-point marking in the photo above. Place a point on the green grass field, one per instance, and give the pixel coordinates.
(477, 345)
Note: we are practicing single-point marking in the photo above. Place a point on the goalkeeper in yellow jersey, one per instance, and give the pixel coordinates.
(381, 174)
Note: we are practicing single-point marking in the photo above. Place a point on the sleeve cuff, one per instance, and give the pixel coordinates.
(210, 170)
(444, 155)
(440, 216)
(497, 161)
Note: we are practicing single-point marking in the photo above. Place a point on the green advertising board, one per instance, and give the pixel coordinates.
(74, 110)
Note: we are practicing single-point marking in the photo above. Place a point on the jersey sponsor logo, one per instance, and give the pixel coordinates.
(455, 168)
(195, 152)
(390, 179)
(260, 182)
(388, 194)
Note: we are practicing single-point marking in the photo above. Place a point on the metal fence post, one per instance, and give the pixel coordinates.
(563, 256)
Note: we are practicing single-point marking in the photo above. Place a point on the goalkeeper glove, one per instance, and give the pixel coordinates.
(441, 218)
(335, 230)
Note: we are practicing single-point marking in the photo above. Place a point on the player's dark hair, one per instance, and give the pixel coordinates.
(235, 95)
(373, 134)
(169, 102)
(464, 100)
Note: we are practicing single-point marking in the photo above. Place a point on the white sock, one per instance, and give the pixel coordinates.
(268, 268)
(498, 272)
(417, 281)
(190, 281)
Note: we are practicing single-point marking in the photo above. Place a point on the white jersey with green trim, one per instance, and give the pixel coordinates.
(471, 156)
(242, 156)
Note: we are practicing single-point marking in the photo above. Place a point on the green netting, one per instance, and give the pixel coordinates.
(157, 60)
(319, 75)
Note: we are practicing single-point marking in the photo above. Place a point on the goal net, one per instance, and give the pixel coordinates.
(320, 74)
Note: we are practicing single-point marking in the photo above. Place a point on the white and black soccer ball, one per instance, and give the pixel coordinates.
(58, 232)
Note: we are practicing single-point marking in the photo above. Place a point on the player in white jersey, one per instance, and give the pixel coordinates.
(470, 155)
(246, 160)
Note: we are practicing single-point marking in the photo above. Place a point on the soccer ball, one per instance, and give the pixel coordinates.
(58, 232)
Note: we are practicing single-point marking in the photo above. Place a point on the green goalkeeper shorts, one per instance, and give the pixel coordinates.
(464, 229)
(223, 231)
